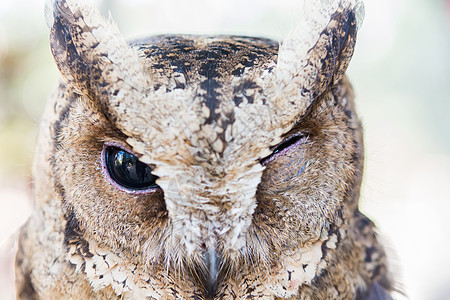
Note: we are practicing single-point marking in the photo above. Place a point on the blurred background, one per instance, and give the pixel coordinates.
(400, 71)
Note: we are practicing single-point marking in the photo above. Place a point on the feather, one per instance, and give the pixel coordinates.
(90, 53)
(377, 292)
(317, 52)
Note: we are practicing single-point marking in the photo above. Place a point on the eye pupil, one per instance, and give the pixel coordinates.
(126, 170)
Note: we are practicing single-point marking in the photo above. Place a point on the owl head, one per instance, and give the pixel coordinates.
(205, 155)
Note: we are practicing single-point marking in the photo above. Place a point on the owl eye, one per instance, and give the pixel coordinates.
(127, 171)
(284, 147)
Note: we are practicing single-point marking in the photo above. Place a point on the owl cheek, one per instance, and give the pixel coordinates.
(285, 172)
(151, 208)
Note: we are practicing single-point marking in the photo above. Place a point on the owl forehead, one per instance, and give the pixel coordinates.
(207, 99)
(214, 70)
(207, 61)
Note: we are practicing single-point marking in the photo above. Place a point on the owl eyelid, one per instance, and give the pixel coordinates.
(287, 142)
(284, 146)
(126, 149)
(121, 146)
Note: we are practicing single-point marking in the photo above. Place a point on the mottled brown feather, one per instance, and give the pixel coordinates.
(258, 152)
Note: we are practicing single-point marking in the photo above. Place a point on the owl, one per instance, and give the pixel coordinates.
(201, 167)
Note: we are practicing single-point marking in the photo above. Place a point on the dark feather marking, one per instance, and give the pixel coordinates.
(376, 292)
(339, 50)
(24, 285)
(242, 88)
(26, 290)
(56, 136)
(210, 85)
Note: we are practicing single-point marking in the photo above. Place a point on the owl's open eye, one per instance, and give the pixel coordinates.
(285, 146)
(127, 171)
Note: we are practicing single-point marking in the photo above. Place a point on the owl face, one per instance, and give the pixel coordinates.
(205, 155)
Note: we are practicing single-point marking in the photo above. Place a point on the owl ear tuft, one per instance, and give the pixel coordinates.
(89, 51)
(317, 52)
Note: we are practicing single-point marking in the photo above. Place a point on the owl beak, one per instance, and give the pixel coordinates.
(210, 280)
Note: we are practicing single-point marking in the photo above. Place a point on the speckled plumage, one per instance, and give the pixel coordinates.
(258, 151)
